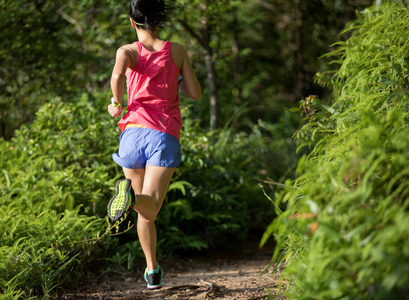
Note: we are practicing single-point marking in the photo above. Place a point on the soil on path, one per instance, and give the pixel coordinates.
(213, 276)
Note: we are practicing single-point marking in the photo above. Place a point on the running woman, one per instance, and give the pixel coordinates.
(149, 148)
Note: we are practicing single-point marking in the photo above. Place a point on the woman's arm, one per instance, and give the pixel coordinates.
(122, 62)
(189, 85)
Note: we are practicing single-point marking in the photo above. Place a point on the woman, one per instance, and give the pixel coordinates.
(149, 149)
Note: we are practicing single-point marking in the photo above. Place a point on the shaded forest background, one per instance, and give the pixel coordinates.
(256, 60)
(260, 53)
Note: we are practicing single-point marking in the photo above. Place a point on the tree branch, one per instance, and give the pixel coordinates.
(190, 30)
(70, 20)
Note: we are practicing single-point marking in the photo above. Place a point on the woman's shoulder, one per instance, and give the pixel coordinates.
(129, 53)
(177, 47)
(129, 47)
(178, 53)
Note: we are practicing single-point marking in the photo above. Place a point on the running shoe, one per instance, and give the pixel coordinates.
(122, 201)
(153, 278)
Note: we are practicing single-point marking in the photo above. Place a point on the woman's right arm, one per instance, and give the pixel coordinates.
(189, 85)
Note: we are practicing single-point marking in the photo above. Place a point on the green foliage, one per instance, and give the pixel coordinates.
(62, 146)
(49, 50)
(52, 188)
(345, 233)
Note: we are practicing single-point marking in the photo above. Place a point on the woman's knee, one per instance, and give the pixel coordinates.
(149, 217)
(146, 207)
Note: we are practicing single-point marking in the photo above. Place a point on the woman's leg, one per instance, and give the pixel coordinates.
(155, 184)
(146, 230)
(136, 176)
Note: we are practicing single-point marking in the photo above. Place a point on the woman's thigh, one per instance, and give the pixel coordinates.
(156, 183)
(137, 177)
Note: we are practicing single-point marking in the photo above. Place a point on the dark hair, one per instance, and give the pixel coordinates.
(151, 13)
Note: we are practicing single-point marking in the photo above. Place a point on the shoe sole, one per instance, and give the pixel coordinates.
(121, 202)
(152, 287)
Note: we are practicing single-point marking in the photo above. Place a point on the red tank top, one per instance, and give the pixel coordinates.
(152, 86)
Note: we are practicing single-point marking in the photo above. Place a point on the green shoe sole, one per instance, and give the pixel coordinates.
(122, 200)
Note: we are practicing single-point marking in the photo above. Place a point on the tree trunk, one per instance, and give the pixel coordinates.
(211, 78)
(236, 53)
(204, 40)
(300, 86)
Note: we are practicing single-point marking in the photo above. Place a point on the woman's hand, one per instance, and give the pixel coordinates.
(114, 111)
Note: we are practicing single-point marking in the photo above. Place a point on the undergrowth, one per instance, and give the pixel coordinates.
(345, 231)
(50, 188)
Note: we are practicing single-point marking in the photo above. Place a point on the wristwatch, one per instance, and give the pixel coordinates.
(114, 103)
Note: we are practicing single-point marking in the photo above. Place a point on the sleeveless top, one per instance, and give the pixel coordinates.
(152, 86)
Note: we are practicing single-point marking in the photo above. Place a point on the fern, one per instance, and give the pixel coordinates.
(356, 180)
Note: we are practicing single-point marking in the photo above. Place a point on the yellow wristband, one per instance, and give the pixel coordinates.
(114, 103)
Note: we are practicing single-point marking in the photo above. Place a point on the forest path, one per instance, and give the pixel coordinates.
(212, 276)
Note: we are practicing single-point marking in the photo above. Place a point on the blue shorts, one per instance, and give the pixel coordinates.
(139, 147)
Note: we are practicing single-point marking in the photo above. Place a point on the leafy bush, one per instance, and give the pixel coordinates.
(345, 231)
(68, 146)
(51, 185)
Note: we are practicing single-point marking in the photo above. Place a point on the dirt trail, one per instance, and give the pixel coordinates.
(205, 277)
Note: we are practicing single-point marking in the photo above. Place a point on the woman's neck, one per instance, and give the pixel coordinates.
(149, 40)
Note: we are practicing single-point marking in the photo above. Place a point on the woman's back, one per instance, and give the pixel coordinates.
(152, 85)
